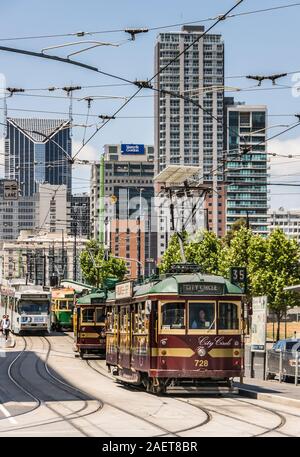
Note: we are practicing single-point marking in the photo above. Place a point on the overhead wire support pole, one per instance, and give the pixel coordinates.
(101, 200)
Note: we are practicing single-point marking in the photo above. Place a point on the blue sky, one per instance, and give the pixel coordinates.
(263, 43)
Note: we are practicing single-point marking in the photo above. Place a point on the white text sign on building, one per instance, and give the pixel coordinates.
(124, 290)
(10, 190)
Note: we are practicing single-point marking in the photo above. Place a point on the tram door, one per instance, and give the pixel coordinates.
(125, 337)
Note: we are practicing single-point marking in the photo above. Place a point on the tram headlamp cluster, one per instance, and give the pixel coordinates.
(201, 352)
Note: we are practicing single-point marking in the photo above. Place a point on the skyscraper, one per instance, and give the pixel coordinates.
(36, 151)
(185, 134)
(130, 220)
(246, 174)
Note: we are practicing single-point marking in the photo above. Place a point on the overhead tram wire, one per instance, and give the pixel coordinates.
(216, 170)
(221, 18)
(118, 117)
(80, 34)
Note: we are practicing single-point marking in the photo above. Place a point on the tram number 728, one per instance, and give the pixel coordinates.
(201, 363)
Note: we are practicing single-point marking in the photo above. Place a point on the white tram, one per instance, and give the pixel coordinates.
(28, 307)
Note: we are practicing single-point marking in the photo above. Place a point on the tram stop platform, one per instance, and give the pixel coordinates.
(273, 391)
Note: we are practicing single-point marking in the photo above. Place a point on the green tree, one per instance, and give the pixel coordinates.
(237, 253)
(205, 251)
(236, 226)
(278, 268)
(96, 274)
(172, 254)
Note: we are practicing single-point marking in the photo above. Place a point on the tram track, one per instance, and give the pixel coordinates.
(176, 433)
(74, 415)
(209, 410)
(282, 419)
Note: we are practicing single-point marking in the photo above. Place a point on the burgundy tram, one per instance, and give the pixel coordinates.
(89, 324)
(181, 329)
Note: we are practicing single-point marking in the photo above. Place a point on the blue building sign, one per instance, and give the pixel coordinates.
(132, 149)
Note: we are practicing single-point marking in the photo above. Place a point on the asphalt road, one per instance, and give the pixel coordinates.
(46, 391)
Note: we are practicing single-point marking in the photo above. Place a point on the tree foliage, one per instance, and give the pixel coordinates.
(172, 254)
(278, 268)
(96, 274)
(272, 262)
(205, 250)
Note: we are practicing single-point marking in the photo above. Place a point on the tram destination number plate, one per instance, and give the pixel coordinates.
(201, 289)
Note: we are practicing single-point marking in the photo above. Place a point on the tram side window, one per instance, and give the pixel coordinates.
(228, 316)
(202, 316)
(124, 319)
(63, 304)
(110, 321)
(140, 319)
(173, 316)
(100, 315)
(88, 315)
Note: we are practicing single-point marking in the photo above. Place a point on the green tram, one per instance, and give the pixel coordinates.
(63, 299)
(89, 320)
(184, 328)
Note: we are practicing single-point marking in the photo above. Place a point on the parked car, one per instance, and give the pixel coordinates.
(288, 348)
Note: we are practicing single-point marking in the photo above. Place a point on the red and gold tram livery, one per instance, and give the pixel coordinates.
(89, 324)
(181, 329)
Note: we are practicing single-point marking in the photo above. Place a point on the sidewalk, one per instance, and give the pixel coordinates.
(272, 391)
(10, 343)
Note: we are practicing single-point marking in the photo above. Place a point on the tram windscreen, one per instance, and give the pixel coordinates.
(202, 316)
(33, 307)
(173, 316)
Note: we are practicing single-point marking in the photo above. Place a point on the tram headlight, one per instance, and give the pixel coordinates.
(201, 352)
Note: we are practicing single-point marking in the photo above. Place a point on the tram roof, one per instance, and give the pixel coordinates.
(170, 284)
(87, 299)
(77, 286)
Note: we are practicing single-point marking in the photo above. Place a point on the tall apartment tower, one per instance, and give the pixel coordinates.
(184, 133)
(247, 172)
(36, 152)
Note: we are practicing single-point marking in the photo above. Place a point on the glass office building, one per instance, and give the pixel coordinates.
(247, 167)
(37, 151)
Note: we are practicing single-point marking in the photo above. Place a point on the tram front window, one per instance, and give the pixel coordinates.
(173, 316)
(202, 316)
(228, 316)
(30, 307)
(88, 315)
(63, 304)
(100, 315)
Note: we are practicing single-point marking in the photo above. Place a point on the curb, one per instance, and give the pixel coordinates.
(269, 397)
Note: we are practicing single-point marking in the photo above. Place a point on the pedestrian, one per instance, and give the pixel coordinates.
(1, 323)
(6, 326)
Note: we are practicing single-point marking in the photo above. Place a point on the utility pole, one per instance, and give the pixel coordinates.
(62, 255)
(75, 247)
(101, 201)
